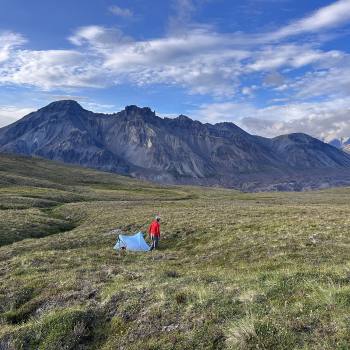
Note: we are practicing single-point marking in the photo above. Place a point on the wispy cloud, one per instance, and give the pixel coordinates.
(330, 16)
(9, 114)
(98, 38)
(199, 59)
(325, 120)
(222, 111)
(291, 55)
(121, 12)
(8, 42)
(334, 81)
(52, 69)
(182, 15)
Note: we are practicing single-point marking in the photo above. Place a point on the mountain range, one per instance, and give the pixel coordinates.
(342, 143)
(138, 143)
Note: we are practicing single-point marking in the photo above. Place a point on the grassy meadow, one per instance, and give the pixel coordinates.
(234, 270)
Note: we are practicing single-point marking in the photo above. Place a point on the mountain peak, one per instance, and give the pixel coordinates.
(229, 126)
(295, 137)
(133, 109)
(64, 105)
(184, 118)
(186, 121)
(135, 112)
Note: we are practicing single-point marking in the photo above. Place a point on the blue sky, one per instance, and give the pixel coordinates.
(271, 66)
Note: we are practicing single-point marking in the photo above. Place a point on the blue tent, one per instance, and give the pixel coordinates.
(134, 243)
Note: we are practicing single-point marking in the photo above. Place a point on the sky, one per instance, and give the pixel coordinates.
(270, 66)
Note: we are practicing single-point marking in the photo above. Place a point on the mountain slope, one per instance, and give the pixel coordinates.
(137, 142)
(61, 131)
(305, 152)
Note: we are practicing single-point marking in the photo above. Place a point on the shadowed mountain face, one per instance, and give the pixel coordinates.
(138, 143)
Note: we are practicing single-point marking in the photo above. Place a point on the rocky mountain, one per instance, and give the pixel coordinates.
(137, 142)
(342, 143)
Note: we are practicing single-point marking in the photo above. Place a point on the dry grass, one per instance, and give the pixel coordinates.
(235, 271)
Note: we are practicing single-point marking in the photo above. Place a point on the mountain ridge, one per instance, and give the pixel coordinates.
(137, 142)
(342, 143)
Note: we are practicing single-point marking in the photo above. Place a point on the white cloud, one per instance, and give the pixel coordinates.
(274, 57)
(101, 107)
(325, 120)
(8, 42)
(331, 82)
(197, 58)
(9, 114)
(120, 11)
(201, 61)
(326, 17)
(327, 129)
(221, 112)
(52, 69)
(98, 38)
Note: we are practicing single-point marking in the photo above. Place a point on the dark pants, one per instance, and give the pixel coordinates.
(155, 241)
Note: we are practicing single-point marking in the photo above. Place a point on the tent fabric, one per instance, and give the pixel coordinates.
(134, 243)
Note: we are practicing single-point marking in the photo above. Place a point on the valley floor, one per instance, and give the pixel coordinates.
(234, 270)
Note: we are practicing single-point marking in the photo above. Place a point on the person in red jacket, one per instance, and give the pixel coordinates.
(154, 232)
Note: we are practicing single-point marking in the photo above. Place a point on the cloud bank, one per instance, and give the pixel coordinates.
(227, 67)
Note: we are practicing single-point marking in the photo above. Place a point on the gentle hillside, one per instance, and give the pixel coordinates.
(234, 270)
(137, 142)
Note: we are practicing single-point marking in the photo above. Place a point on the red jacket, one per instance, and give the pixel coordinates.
(154, 229)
